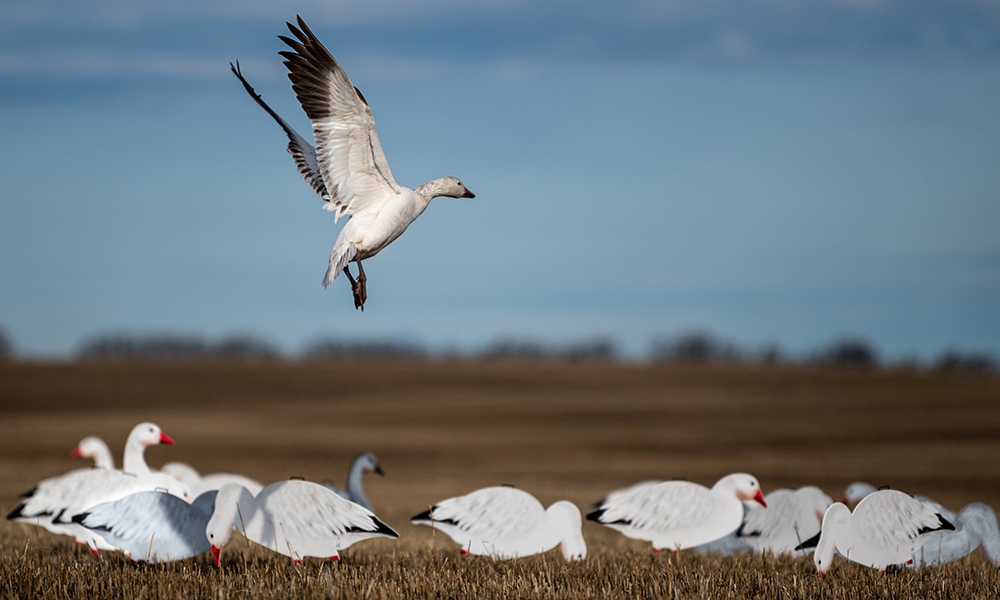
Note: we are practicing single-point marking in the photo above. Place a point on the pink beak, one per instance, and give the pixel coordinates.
(215, 554)
(165, 440)
(760, 498)
(75, 453)
(822, 574)
(468, 194)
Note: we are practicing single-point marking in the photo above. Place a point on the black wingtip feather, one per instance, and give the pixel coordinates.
(810, 543)
(595, 515)
(384, 529)
(80, 517)
(16, 513)
(424, 516)
(943, 524)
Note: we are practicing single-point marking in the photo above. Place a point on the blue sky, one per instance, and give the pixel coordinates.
(773, 171)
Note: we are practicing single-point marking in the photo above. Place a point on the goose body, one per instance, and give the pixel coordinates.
(363, 463)
(505, 523)
(200, 484)
(886, 528)
(53, 502)
(976, 526)
(347, 168)
(791, 517)
(152, 526)
(678, 514)
(294, 518)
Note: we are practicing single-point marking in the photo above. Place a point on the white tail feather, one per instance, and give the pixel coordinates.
(339, 258)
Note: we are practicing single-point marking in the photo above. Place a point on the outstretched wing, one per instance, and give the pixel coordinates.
(351, 161)
(493, 513)
(301, 150)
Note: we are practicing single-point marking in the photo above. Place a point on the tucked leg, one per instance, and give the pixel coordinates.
(362, 294)
(357, 286)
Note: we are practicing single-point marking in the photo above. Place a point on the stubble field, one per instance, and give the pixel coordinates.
(559, 431)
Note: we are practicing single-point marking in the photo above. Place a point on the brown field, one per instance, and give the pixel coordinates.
(559, 431)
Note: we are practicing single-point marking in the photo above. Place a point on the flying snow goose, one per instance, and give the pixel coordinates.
(504, 522)
(679, 514)
(294, 518)
(886, 528)
(95, 449)
(791, 518)
(347, 168)
(363, 463)
(200, 484)
(141, 436)
(53, 502)
(152, 526)
(976, 526)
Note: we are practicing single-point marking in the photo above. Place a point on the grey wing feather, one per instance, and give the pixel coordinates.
(302, 151)
(152, 525)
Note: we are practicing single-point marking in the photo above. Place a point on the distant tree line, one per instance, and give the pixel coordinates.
(691, 347)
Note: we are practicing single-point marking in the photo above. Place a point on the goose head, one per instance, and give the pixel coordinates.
(148, 434)
(94, 448)
(367, 462)
(227, 514)
(567, 519)
(446, 186)
(835, 518)
(744, 486)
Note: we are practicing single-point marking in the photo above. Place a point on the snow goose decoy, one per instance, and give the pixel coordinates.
(294, 518)
(679, 514)
(95, 449)
(141, 436)
(347, 168)
(199, 484)
(504, 523)
(363, 463)
(53, 502)
(152, 526)
(859, 490)
(976, 526)
(791, 518)
(886, 528)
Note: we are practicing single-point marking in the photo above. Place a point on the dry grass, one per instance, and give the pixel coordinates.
(558, 431)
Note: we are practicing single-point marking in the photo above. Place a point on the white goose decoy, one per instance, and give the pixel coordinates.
(52, 503)
(504, 523)
(886, 528)
(294, 518)
(679, 514)
(152, 526)
(199, 484)
(791, 518)
(95, 449)
(859, 490)
(348, 168)
(141, 436)
(363, 463)
(976, 526)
